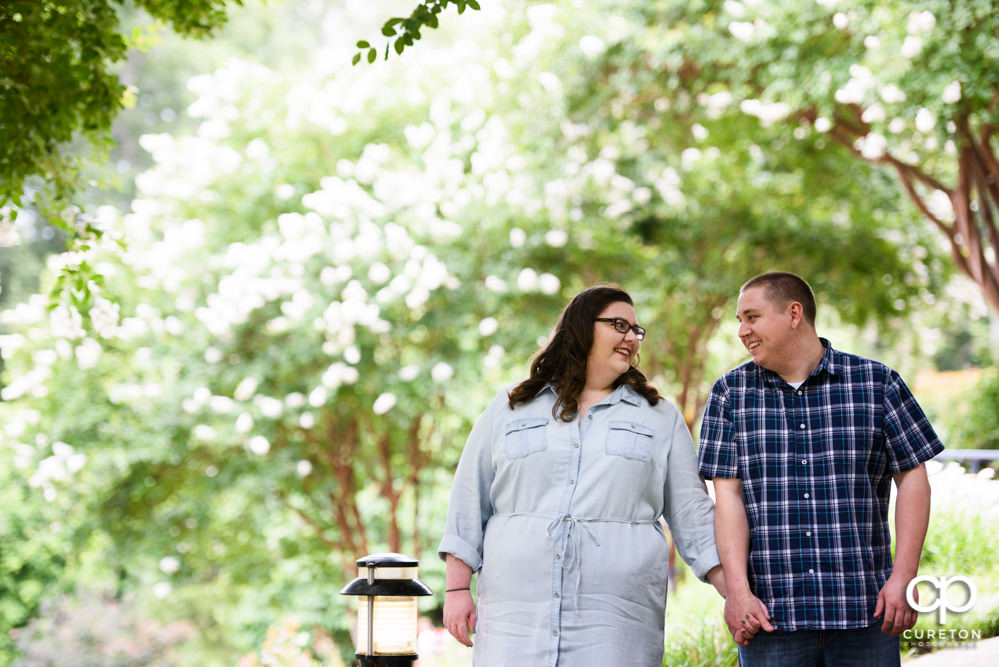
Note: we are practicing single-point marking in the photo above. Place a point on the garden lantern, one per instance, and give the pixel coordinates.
(387, 589)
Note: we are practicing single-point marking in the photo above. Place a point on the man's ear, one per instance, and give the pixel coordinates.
(797, 313)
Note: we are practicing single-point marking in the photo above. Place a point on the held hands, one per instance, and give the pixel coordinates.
(745, 615)
(459, 615)
(898, 615)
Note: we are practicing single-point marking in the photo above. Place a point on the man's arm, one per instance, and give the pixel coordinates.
(912, 515)
(743, 611)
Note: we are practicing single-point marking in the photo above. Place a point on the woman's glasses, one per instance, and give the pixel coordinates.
(622, 325)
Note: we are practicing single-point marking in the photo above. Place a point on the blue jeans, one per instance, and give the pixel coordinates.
(863, 647)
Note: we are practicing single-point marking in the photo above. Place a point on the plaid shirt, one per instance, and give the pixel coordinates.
(816, 465)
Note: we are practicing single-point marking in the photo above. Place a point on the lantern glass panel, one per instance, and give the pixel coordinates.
(395, 625)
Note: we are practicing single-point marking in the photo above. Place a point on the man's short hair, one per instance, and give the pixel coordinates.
(782, 288)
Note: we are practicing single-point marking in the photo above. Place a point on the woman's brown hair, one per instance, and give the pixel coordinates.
(563, 361)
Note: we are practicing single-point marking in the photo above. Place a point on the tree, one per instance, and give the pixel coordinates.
(58, 85)
(914, 89)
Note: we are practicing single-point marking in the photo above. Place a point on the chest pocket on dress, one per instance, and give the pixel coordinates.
(630, 440)
(525, 437)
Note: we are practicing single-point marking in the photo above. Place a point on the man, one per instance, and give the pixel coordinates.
(802, 444)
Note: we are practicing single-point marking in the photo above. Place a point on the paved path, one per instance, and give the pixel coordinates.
(984, 653)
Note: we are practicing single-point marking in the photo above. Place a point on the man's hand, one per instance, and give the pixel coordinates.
(898, 615)
(459, 615)
(745, 615)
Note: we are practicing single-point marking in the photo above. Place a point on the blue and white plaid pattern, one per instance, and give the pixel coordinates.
(816, 465)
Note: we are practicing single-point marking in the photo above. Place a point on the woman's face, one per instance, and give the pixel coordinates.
(612, 352)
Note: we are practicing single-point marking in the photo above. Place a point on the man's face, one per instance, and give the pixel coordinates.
(763, 327)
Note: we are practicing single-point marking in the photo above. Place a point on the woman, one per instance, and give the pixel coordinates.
(556, 501)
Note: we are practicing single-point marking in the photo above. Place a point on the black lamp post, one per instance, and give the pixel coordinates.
(387, 589)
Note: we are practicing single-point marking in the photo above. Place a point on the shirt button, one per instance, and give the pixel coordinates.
(806, 495)
(801, 426)
(589, 416)
(572, 481)
(575, 445)
(556, 596)
(558, 556)
(808, 534)
(804, 462)
(554, 633)
(811, 571)
(800, 392)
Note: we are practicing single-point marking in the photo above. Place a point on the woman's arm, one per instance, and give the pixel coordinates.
(459, 607)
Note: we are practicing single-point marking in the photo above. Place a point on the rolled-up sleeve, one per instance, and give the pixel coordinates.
(470, 506)
(688, 509)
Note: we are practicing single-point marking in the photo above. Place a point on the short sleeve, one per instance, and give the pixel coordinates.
(717, 455)
(909, 437)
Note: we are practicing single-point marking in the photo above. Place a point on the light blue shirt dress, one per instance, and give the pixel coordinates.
(561, 521)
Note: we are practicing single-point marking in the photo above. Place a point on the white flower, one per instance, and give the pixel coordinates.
(840, 20)
(872, 146)
(66, 322)
(270, 407)
(488, 326)
(952, 93)
(307, 420)
(441, 372)
(911, 46)
(517, 237)
(244, 423)
(556, 238)
(379, 274)
(741, 30)
(823, 124)
(303, 468)
(162, 589)
(495, 284)
(925, 122)
(549, 283)
(873, 114)
(88, 353)
(245, 389)
(203, 432)
(591, 46)
(734, 8)
(409, 373)
(105, 317)
(317, 397)
(259, 445)
(384, 403)
(921, 22)
(892, 94)
(169, 564)
(527, 280)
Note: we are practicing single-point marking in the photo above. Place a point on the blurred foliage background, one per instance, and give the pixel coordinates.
(311, 277)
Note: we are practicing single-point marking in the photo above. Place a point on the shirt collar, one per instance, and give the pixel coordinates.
(624, 392)
(828, 364)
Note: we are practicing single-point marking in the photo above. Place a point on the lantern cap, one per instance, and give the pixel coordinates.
(386, 560)
(387, 574)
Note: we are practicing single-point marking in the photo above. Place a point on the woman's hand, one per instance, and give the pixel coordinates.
(459, 615)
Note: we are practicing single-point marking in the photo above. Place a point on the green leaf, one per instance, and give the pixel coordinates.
(388, 31)
(363, 44)
(400, 44)
(372, 54)
(357, 59)
(473, 4)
